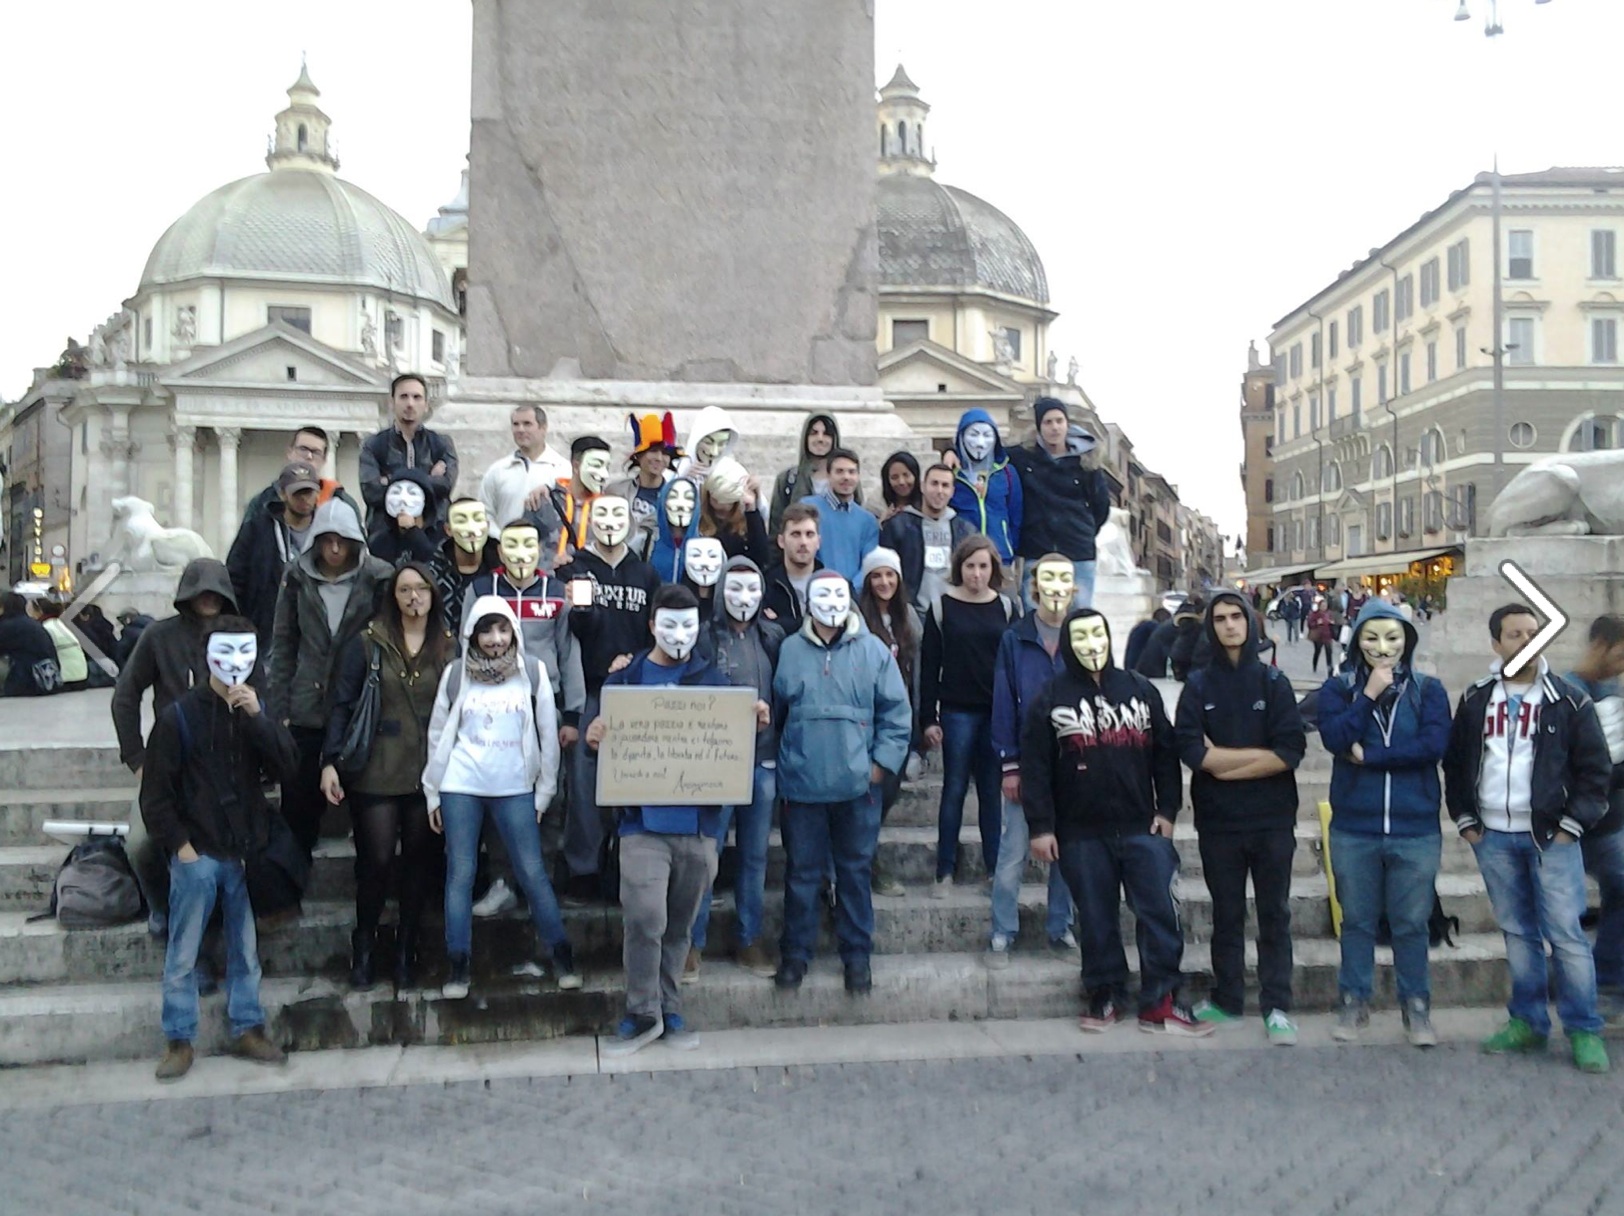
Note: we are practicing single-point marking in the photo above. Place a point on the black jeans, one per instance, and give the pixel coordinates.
(1226, 860)
(1319, 649)
(380, 821)
(303, 803)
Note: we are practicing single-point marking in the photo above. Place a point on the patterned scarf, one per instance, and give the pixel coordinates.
(482, 669)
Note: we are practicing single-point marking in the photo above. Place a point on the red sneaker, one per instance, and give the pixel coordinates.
(1101, 1015)
(1168, 1016)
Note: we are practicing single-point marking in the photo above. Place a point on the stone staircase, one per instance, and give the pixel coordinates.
(93, 994)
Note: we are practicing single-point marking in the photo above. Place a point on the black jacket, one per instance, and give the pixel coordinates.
(617, 622)
(258, 557)
(453, 583)
(1572, 767)
(1246, 706)
(24, 641)
(270, 494)
(1138, 638)
(389, 542)
(1098, 757)
(129, 636)
(779, 599)
(1065, 503)
(208, 792)
(384, 454)
(905, 532)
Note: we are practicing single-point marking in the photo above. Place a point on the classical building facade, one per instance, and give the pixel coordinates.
(1257, 465)
(1385, 431)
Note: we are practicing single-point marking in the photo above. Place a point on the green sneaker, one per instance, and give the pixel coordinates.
(1208, 1012)
(1589, 1052)
(1515, 1035)
(1282, 1031)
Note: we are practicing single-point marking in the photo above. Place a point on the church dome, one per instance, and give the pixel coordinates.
(933, 235)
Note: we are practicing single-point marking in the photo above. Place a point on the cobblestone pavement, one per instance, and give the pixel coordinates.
(1355, 1130)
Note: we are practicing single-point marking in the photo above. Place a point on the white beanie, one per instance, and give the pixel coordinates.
(880, 559)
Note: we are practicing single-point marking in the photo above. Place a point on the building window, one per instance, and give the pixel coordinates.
(1280, 369)
(293, 373)
(1268, 445)
(1013, 337)
(1384, 521)
(1331, 339)
(1432, 511)
(1522, 435)
(1520, 340)
(1296, 419)
(1604, 338)
(1381, 463)
(1356, 325)
(295, 318)
(1298, 486)
(1356, 540)
(1596, 433)
(1332, 482)
(1404, 373)
(1313, 412)
(904, 332)
(1330, 403)
(1355, 396)
(1460, 348)
(1429, 283)
(1603, 254)
(1268, 489)
(1313, 533)
(437, 346)
(1298, 530)
(1406, 516)
(1280, 425)
(1433, 448)
(1314, 350)
(1404, 306)
(1378, 312)
(146, 335)
(1459, 267)
(1432, 361)
(1520, 253)
(1381, 384)
(1296, 359)
(1268, 539)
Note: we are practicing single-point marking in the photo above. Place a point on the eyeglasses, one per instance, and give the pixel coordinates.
(413, 593)
(304, 449)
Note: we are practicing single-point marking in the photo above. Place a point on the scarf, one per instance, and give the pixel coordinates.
(482, 669)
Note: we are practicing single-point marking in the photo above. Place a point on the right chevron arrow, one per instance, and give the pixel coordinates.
(1555, 619)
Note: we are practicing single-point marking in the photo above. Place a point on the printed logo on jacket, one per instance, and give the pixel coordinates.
(1497, 722)
(1099, 724)
(535, 608)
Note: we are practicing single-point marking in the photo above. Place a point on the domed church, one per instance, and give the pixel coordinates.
(284, 298)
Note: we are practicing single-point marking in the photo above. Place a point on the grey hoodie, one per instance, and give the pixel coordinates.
(748, 657)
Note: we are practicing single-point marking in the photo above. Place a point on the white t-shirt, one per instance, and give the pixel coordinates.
(488, 758)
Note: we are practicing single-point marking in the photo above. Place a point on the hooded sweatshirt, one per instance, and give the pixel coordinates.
(665, 554)
(988, 494)
(708, 421)
(168, 658)
(543, 612)
(925, 548)
(1244, 704)
(1098, 757)
(1403, 735)
(389, 542)
(617, 622)
(748, 656)
(493, 739)
(795, 482)
(1065, 499)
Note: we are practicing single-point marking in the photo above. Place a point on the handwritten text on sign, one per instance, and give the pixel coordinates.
(677, 746)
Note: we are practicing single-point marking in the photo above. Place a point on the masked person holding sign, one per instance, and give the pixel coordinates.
(203, 803)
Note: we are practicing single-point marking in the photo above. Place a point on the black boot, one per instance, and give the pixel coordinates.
(405, 956)
(362, 944)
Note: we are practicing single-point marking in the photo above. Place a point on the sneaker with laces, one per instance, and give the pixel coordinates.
(633, 1034)
(1282, 1031)
(1102, 1013)
(1066, 943)
(1418, 1029)
(496, 901)
(998, 951)
(1168, 1016)
(1206, 1011)
(942, 887)
(1515, 1036)
(1352, 1016)
(1589, 1052)
(456, 983)
(568, 975)
(885, 885)
(690, 968)
(677, 1036)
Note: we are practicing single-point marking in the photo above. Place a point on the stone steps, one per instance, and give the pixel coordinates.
(119, 1020)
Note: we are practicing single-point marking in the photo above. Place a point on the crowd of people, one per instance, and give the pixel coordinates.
(438, 669)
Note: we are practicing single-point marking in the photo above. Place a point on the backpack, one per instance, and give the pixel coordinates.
(95, 887)
(47, 676)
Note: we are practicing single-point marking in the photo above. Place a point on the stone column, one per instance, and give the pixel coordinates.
(230, 505)
(185, 437)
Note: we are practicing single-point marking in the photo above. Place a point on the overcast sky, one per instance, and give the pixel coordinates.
(1190, 170)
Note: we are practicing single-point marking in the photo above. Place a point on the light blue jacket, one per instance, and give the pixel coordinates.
(841, 708)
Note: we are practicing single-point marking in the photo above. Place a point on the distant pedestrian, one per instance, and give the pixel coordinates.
(1321, 630)
(1291, 612)
(1139, 637)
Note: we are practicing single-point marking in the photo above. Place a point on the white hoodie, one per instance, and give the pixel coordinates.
(537, 767)
(708, 421)
(1505, 783)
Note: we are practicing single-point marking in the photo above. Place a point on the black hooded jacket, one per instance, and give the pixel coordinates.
(1244, 705)
(1097, 752)
(388, 541)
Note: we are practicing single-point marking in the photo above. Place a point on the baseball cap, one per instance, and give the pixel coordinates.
(298, 476)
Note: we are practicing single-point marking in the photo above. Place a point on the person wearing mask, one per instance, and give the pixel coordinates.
(844, 723)
(654, 447)
(729, 511)
(1139, 637)
(962, 632)
(70, 656)
(899, 484)
(521, 482)
(203, 804)
(848, 531)
(711, 438)
(1065, 497)
(493, 753)
(405, 648)
(702, 560)
(1321, 631)
(1598, 674)
(1030, 654)
(467, 551)
(1527, 773)
(1387, 727)
(1100, 785)
(788, 581)
(26, 648)
(308, 447)
(882, 599)
(1241, 737)
(407, 444)
(610, 593)
(402, 530)
(269, 540)
(679, 515)
(328, 595)
(809, 476)
(572, 497)
(925, 535)
(987, 489)
(667, 853)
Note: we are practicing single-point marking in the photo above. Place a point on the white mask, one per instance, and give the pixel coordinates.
(231, 657)
(676, 630)
(702, 560)
(680, 500)
(829, 601)
(610, 520)
(595, 470)
(1382, 642)
(978, 439)
(404, 498)
(741, 592)
(1090, 641)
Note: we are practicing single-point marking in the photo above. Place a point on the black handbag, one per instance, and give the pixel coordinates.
(357, 748)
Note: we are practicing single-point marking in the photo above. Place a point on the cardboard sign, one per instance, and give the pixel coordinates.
(677, 746)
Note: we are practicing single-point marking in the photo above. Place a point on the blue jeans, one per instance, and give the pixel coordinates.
(1391, 875)
(1096, 869)
(812, 831)
(752, 825)
(1538, 896)
(1083, 574)
(967, 751)
(193, 888)
(515, 818)
(1013, 843)
(1604, 859)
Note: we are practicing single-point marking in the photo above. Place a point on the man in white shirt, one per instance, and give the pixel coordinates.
(519, 483)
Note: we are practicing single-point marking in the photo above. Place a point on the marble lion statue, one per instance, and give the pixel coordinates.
(145, 544)
(1572, 494)
(1113, 552)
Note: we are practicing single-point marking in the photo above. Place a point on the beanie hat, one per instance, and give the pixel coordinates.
(1046, 405)
(880, 559)
(653, 431)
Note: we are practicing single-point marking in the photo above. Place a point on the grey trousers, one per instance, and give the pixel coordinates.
(662, 880)
(584, 826)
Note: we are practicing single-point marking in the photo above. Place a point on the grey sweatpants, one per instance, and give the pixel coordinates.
(662, 880)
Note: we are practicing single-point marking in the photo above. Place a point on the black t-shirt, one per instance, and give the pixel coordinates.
(960, 652)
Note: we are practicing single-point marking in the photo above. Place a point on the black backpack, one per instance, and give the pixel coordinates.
(95, 887)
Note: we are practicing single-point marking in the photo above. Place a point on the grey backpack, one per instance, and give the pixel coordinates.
(96, 886)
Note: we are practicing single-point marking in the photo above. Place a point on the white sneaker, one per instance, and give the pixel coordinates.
(497, 901)
(942, 888)
(1280, 1029)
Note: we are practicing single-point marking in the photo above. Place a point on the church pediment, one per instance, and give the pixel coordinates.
(923, 368)
(1351, 502)
(264, 357)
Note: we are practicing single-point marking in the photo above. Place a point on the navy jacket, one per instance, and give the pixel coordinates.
(1020, 672)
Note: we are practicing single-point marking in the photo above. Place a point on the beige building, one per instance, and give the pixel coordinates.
(1257, 466)
(1385, 430)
